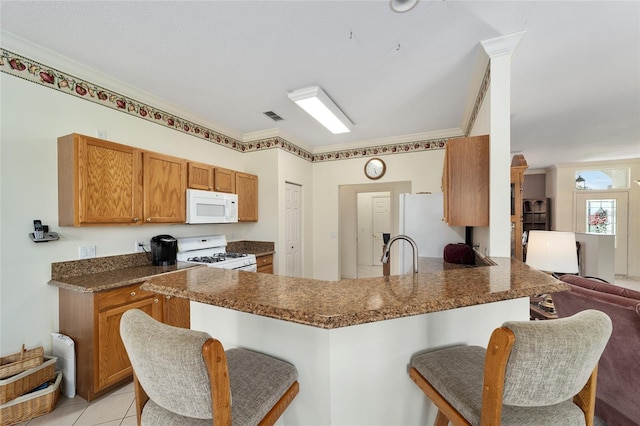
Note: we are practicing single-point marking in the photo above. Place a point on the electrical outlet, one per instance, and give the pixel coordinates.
(140, 246)
(86, 252)
(102, 134)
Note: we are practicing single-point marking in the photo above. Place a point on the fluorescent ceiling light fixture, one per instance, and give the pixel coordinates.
(320, 106)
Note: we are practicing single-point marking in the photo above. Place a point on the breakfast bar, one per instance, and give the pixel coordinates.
(351, 340)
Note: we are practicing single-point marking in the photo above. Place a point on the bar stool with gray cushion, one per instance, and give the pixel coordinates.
(532, 373)
(185, 377)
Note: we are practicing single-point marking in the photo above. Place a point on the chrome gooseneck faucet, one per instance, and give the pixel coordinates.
(414, 246)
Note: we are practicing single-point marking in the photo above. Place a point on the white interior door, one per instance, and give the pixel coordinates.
(605, 213)
(381, 219)
(293, 209)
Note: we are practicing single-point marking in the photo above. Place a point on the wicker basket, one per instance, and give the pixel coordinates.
(32, 404)
(21, 383)
(17, 363)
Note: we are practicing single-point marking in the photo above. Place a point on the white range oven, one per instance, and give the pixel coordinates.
(211, 251)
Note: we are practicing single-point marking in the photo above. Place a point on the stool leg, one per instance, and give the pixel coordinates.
(441, 419)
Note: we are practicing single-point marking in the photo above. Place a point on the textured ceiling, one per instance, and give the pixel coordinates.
(575, 75)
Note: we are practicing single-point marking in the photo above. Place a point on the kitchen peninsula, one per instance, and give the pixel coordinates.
(352, 340)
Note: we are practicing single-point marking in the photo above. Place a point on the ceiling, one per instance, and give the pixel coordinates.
(575, 76)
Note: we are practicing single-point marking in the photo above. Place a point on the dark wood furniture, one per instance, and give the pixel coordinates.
(536, 214)
(518, 166)
(538, 313)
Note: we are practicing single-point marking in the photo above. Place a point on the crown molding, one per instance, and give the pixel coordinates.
(158, 111)
(394, 140)
(503, 45)
(478, 87)
(66, 65)
(275, 132)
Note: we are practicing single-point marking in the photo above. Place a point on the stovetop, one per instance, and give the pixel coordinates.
(210, 250)
(216, 257)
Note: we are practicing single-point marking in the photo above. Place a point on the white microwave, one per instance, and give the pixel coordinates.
(211, 207)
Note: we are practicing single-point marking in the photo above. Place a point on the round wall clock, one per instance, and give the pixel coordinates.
(375, 168)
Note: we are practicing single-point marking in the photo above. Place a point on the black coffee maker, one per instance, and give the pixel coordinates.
(164, 249)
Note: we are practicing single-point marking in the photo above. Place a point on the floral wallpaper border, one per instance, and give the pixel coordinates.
(484, 86)
(30, 70)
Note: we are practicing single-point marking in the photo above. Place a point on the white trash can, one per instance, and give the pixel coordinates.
(64, 349)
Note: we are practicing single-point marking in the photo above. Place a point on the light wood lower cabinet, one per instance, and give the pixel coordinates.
(265, 264)
(92, 320)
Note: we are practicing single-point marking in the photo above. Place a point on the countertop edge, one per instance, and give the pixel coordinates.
(351, 319)
(113, 285)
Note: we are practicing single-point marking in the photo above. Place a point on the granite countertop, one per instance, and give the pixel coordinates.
(107, 273)
(258, 248)
(437, 287)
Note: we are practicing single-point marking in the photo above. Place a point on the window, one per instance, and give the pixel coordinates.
(601, 216)
(603, 179)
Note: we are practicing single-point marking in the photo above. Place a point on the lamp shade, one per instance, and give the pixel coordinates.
(552, 251)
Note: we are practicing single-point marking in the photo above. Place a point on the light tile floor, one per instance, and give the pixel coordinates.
(114, 409)
(117, 408)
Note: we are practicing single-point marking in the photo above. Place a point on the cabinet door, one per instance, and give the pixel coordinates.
(247, 190)
(112, 361)
(467, 181)
(99, 182)
(176, 312)
(165, 185)
(224, 180)
(200, 176)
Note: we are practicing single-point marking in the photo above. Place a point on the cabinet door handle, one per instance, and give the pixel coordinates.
(135, 219)
(148, 219)
(168, 297)
(155, 300)
(133, 293)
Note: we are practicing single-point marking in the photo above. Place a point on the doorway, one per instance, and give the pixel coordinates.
(293, 234)
(374, 220)
(605, 213)
(348, 220)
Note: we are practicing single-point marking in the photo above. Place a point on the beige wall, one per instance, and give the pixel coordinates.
(420, 172)
(298, 171)
(560, 187)
(33, 117)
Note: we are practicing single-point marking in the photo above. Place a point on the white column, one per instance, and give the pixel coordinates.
(500, 50)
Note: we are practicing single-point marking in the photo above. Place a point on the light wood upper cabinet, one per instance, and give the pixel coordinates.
(200, 176)
(224, 180)
(465, 181)
(164, 188)
(99, 182)
(247, 190)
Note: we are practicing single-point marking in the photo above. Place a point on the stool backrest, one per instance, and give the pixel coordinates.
(550, 361)
(168, 363)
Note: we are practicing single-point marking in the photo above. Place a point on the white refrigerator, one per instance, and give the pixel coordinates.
(421, 218)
